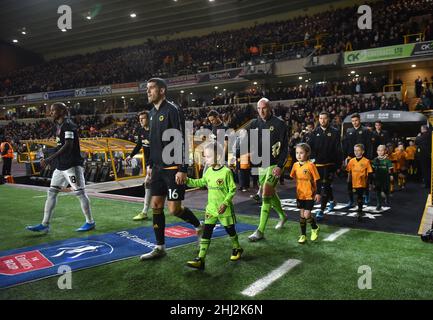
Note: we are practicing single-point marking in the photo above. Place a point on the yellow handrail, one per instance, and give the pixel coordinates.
(420, 35)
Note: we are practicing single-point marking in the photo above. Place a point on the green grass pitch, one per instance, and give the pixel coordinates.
(400, 264)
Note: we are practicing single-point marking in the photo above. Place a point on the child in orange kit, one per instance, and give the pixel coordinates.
(305, 174)
(359, 169)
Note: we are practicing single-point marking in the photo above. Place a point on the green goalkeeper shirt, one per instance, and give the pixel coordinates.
(382, 169)
(221, 189)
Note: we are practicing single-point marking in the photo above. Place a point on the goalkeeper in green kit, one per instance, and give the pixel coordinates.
(221, 189)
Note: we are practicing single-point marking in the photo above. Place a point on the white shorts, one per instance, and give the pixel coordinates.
(73, 176)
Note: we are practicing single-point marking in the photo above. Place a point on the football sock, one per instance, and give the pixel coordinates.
(85, 205)
(233, 236)
(187, 216)
(360, 202)
(50, 204)
(276, 205)
(159, 225)
(312, 222)
(323, 201)
(303, 223)
(379, 198)
(350, 190)
(331, 194)
(264, 213)
(204, 245)
(205, 240)
(147, 198)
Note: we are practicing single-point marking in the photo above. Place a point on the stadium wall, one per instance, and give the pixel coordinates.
(409, 76)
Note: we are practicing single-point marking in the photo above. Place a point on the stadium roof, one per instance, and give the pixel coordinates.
(97, 23)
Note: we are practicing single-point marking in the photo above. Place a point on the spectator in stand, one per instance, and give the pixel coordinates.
(418, 87)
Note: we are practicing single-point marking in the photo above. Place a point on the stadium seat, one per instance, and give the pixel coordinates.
(104, 174)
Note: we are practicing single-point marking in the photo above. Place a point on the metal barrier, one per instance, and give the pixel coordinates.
(402, 90)
(419, 37)
(274, 47)
(240, 100)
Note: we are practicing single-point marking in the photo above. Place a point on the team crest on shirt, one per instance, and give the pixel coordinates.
(271, 128)
(329, 134)
(58, 140)
(161, 118)
(220, 182)
(305, 171)
(145, 141)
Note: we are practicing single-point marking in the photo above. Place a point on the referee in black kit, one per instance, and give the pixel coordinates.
(327, 155)
(167, 179)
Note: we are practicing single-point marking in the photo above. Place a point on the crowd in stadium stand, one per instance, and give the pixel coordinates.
(303, 112)
(392, 20)
(94, 126)
(356, 86)
(297, 116)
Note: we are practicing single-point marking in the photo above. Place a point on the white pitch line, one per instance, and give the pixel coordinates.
(336, 234)
(264, 282)
(60, 195)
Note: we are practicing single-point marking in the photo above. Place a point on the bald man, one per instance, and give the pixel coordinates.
(270, 175)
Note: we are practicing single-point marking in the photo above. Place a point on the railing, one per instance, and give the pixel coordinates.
(405, 88)
(230, 65)
(274, 47)
(401, 87)
(202, 69)
(418, 37)
(247, 99)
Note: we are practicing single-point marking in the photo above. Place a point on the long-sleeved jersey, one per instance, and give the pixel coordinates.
(278, 144)
(326, 146)
(168, 116)
(357, 136)
(142, 141)
(221, 189)
(378, 138)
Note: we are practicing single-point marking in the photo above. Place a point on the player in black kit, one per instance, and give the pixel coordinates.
(168, 175)
(327, 155)
(69, 169)
(142, 142)
(269, 175)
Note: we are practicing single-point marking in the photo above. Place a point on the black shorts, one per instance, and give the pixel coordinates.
(360, 191)
(163, 183)
(305, 204)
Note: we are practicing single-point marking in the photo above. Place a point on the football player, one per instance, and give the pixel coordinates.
(68, 165)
